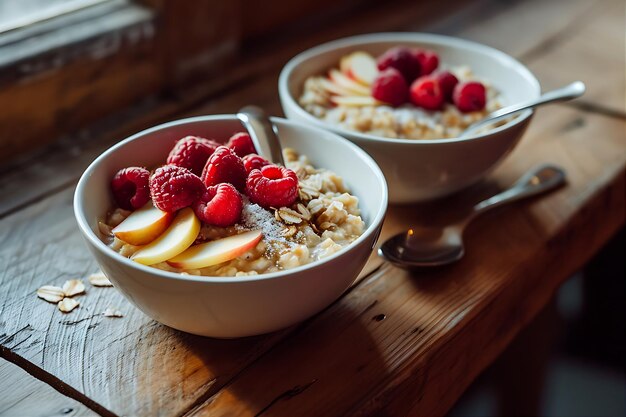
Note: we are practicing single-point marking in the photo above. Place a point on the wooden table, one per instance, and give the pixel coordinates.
(396, 343)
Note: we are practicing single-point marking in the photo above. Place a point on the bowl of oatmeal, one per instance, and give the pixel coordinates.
(404, 98)
(225, 244)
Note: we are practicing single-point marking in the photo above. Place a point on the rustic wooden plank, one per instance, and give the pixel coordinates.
(442, 327)
(112, 348)
(201, 375)
(23, 395)
(517, 27)
(82, 352)
(130, 365)
(122, 353)
(561, 43)
(593, 51)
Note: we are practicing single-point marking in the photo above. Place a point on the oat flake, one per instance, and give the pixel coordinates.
(112, 312)
(289, 231)
(67, 304)
(51, 293)
(105, 229)
(289, 216)
(99, 280)
(73, 287)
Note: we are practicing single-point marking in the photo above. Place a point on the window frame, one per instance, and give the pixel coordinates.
(92, 63)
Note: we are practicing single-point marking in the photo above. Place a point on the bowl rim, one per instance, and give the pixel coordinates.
(408, 37)
(89, 234)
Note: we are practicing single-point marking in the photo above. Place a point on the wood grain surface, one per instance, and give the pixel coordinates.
(397, 343)
(22, 395)
(442, 327)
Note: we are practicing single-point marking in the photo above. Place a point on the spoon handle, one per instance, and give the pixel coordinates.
(536, 181)
(570, 91)
(262, 133)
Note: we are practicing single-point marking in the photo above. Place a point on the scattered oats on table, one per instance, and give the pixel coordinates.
(62, 296)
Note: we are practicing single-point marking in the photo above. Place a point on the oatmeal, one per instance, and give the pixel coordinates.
(401, 95)
(319, 220)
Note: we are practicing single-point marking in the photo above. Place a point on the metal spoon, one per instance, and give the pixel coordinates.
(570, 91)
(262, 132)
(428, 247)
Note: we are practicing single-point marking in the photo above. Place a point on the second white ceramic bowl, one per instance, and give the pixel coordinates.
(419, 170)
(228, 307)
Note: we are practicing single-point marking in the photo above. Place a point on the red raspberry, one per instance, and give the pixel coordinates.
(426, 93)
(224, 166)
(402, 59)
(173, 188)
(272, 186)
(469, 96)
(429, 60)
(192, 152)
(220, 205)
(254, 161)
(390, 87)
(130, 187)
(447, 82)
(241, 144)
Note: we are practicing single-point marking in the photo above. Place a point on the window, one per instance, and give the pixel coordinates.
(22, 13)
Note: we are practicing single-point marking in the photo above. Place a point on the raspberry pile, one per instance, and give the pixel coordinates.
(210, 178)
(411, 75)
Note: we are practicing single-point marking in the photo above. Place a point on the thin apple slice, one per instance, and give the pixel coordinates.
(362, 67)
(217, 251)
(355, 101)
(334, 88)
(344, 64)
(355, 88)
(179, 236)
(143, 225)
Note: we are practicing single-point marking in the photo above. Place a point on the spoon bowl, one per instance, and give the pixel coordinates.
(429, 247)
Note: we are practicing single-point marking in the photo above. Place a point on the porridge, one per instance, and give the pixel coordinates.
(404, 93)
(240, 216)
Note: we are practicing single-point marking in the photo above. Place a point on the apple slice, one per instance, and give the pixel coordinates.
(344, 63)
(355, 101)
(349, 84)
(360, 66)
(179, 236)
(334, 88)
(143, 225)
(217, 251)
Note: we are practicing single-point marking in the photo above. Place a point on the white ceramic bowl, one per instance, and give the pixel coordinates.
(418, 170)
(239, 306)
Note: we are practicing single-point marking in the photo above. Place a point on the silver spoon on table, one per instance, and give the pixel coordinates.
(428, 247)
(570, 91)
(262, 132)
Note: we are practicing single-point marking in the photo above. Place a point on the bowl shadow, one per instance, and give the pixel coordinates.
(290, 371)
